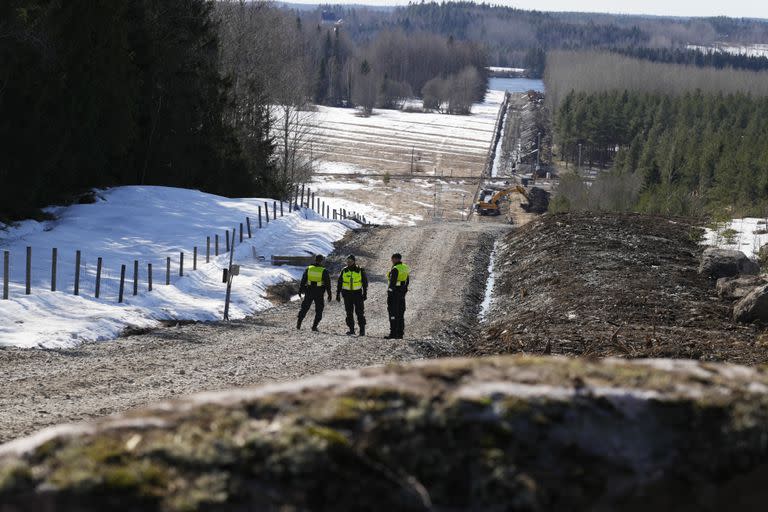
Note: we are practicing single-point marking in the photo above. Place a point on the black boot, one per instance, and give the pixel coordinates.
(351, 332)
(362, 330)
(314, 328)
(298, 323)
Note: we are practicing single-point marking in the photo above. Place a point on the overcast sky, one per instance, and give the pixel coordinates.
(733, 8)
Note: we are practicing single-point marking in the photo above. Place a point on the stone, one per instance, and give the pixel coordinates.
(753, 307)
(717, 263)
(498, 434)
(733, 288)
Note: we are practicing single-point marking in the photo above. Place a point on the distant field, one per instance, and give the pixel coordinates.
(386, 141)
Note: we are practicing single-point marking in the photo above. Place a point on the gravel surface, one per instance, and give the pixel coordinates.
(449, 262)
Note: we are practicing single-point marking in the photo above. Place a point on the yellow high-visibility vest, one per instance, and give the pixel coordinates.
(403, 271)
(352, 280)
(315, 275)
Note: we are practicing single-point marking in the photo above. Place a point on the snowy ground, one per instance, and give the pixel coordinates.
(146, 224)
(391, 140)
(448, 152)
(753, 50)
(746, 235)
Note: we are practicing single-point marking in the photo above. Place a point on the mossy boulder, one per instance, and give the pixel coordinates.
(504, 433)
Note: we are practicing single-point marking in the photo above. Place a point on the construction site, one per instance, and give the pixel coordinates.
(595, 335)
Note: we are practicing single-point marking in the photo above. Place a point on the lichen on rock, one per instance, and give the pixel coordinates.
(503, 433)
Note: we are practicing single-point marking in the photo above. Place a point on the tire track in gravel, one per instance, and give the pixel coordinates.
(449, 261)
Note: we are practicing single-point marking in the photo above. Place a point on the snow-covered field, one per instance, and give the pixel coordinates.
(501, 69)
(444, 150)
(147, 224)
(753, 50)
(746, 235)
(389, 140)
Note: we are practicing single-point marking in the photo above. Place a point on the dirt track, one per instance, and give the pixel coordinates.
(449, 262)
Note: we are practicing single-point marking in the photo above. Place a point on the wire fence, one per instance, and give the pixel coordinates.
(82, 274)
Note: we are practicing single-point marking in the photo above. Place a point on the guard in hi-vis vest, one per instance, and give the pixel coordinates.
(315, 283)
(353, 286)
(399, 279)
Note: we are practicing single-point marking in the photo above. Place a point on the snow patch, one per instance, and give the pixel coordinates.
(747, 235)
(485, 306)
(148, 224)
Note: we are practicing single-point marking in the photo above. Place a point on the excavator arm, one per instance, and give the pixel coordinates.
(491, 207)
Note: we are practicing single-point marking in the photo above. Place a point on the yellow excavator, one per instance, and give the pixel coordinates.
(491, 206)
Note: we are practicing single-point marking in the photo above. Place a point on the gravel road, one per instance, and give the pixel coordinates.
(449, 263)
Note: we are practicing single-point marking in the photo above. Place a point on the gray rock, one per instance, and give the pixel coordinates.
(717, 263)
(733, 288)
(753, 307)
(503, 433)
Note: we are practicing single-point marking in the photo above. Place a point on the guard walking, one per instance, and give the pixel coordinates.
(353, 286)
(399, 279)
(315, 283)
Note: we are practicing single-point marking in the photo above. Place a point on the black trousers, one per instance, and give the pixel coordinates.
(396, 310)
(316, 296)
(354, 305)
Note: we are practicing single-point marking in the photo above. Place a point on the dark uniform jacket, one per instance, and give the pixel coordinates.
(403, 288)
(354, 268)
(326, 286)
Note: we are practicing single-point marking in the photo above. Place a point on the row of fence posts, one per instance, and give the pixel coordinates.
(305, 200)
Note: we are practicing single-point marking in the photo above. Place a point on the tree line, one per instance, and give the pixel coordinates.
(385, 70)
(594, 72)
(96, 94)
(510, 34)
(690, 154)
(697, 57)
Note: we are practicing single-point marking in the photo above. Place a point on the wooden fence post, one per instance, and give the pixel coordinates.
(77, 273)
(122, 284)
(99, 263)
(167, 270)
(334, 214)
(54, 258)
(207, 249)
(241, 232)
(313, 201)
(181, 264)
(232, 254)
(302, 195)
(266, 211)
(281, 208)
(216, 253)
(135, 277)
(149, 277)
(259, 217)
(274, 210)
(248, 225)
(28, 273)
(6, 271)
(194, 258)
(226, 234)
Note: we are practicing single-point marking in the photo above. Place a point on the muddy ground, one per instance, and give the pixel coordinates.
(612, 285)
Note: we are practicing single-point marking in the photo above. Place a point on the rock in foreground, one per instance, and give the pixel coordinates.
(735, 288)
(753, 307)
(482, 434)
(717, 263)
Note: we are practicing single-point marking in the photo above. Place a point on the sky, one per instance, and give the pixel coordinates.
(734, 8)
